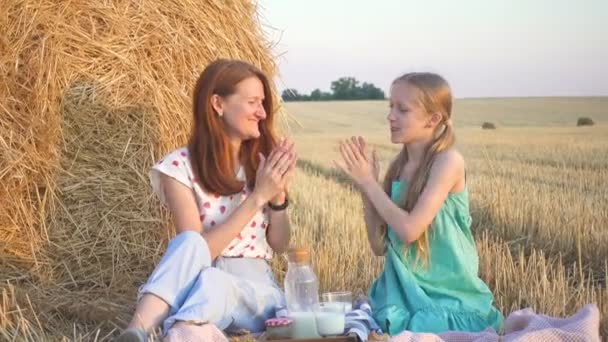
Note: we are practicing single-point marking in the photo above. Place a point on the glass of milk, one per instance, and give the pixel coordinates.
(330, 318)
(345, 297)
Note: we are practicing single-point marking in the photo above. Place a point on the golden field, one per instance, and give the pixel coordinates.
(539, 196)
(538, 199)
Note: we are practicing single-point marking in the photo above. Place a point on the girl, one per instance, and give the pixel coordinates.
(419, 220)
(228, 201)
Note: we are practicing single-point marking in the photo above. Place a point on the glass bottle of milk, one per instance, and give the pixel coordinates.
(301, 293)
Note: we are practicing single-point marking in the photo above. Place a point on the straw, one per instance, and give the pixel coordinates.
(92, 93)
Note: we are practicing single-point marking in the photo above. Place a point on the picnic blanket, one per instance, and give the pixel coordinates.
(521, 326)
(525, 326)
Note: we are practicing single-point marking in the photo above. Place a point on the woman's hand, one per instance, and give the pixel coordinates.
(289, 146)
(275, 173)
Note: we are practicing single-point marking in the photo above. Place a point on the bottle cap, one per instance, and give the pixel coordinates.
(298, 255)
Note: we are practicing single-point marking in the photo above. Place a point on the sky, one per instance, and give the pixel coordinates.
(484, 48)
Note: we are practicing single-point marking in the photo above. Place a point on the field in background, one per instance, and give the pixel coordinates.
(539, 197)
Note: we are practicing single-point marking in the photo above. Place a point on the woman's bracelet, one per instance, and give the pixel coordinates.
(280, 206)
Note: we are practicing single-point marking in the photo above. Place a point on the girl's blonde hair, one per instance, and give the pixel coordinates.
(434, 96)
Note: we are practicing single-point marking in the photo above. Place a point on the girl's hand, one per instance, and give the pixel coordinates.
(360, 168)
(370, 155)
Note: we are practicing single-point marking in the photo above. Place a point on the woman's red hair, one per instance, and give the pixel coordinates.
(209, 146)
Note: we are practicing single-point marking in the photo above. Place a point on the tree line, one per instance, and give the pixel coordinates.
(344, 88)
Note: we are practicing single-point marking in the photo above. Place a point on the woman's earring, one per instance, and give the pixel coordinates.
(220, 114)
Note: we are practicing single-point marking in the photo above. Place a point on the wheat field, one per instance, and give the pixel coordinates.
(539, 199)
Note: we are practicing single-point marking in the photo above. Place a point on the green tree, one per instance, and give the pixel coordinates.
(345, 88)
(371, 92)
(315, 95)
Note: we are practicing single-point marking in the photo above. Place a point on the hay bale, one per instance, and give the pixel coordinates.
(584, 121)
(92, 94)
(488, 125)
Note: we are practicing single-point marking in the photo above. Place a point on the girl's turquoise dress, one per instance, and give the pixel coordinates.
(445, 295)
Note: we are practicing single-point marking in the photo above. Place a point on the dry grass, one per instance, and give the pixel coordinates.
(538, 193)
(538, 203)
(91, 93)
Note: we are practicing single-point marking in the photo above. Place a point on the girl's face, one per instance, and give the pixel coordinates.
(243, 110)
(409, 122)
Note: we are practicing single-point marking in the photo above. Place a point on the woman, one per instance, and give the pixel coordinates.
(227, 191)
